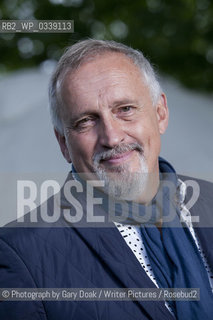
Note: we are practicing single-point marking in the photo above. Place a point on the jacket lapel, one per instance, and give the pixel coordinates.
(203, 209)
(107, 244)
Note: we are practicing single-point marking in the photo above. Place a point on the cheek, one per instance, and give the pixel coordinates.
(135, 129)
(81, 147)
(148, 136)
(140, 132)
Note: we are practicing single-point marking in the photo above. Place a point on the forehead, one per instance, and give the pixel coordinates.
(110, 76)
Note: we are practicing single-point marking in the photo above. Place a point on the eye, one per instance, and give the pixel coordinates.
(85, 123)
(126, 111)
(126, 108)
(85, 120)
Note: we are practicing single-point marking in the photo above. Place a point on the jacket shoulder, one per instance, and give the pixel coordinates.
(205, 187)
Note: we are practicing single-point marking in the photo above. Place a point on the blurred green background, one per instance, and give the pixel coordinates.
(176, 35)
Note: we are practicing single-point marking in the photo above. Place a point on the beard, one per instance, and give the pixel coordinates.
(119, 182)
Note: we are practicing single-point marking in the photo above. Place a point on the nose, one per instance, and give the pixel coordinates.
(111, 133)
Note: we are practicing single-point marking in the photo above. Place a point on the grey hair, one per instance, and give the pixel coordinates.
(81, 52)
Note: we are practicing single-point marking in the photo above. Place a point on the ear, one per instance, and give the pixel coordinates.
(162, 113)
(63, 145)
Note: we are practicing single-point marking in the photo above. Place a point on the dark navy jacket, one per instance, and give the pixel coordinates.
(62, 256)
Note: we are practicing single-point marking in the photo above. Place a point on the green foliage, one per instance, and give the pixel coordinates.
(177, 36)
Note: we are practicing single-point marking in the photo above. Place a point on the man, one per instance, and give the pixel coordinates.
(123, 221)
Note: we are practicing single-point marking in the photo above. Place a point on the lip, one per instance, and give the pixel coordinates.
(119, 158)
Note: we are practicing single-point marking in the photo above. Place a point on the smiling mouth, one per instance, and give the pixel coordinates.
(117, 159)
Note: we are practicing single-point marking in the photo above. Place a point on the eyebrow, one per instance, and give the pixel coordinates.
(124, 101)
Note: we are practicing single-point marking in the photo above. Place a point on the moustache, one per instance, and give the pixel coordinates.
(117, 150)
